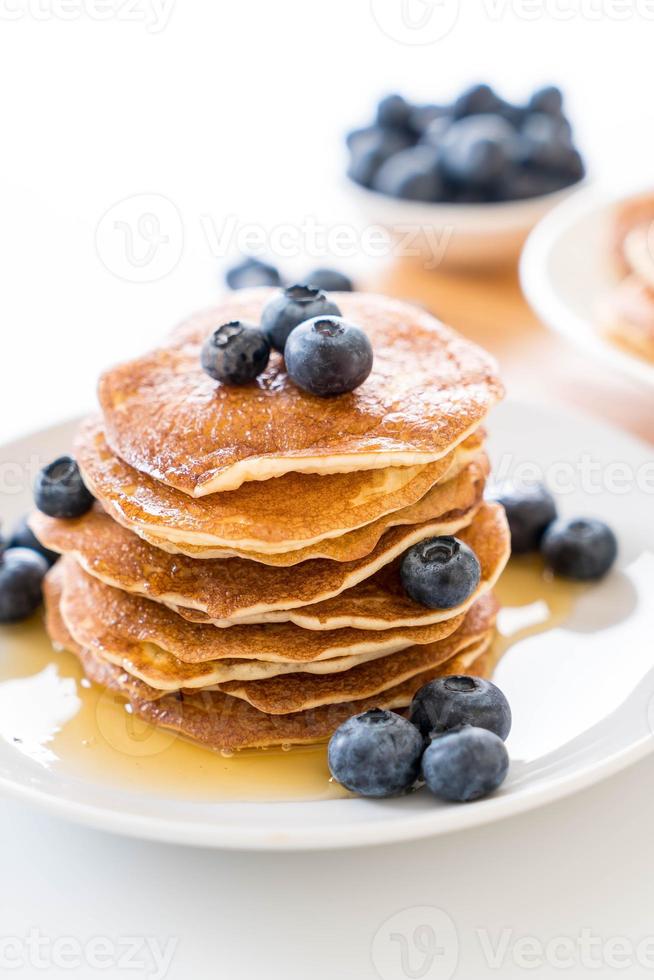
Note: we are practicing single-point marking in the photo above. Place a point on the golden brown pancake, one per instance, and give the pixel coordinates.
(216, 591)
(156, 645)
(429, 389)
(627, 317)
(230, 590)
(219, 721)
(292, 512)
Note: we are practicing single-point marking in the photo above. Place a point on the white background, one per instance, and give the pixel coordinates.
(236, 109)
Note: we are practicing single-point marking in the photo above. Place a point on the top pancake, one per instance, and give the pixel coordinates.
(428, 390)
(291, 513)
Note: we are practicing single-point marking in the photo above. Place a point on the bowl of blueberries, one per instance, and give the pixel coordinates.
(462, 184)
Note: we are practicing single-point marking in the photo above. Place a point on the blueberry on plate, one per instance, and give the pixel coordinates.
(235, 353)
(476, 150)
(582, 548)
(369, 148)
(548, 99)
(328, 356)
(376, 753)
(330, 281)
(59, 489)
(464, 764)
(411, 174)
(476, 100)
(21, 577)
(252, 272)
(290, 308)
(529, 511)
(22, 536)
(460, 699)
(440, 573)
(393, 111)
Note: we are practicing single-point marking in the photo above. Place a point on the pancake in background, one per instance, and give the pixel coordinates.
(429, 389)
(228, 590)
(635, 213)
(627, 317)
(294, 511)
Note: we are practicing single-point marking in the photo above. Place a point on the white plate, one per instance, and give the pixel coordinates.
(566, 268)
(460, 236)
(581, 697)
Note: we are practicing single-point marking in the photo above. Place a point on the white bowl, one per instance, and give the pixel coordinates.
(566, 268)
(464, 236)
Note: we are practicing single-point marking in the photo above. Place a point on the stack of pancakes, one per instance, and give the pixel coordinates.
(627, 314)
(237, 579)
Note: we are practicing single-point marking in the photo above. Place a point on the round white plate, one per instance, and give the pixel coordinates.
(581, 696)
(566, 268)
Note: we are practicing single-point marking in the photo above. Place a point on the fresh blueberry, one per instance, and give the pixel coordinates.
(440, 573)
(252, 272)
(290, 308)
(423, 116)
(411, 174)
(460, 699)
(529, 511)
(476, 100)
(393, 111)
(434, 132)
(376, 754)
(369, 148)
(476, 150)
(520, 183)
(548, 99)
(21, 575)
(235, 353)
(330, 281)
(59, 490)
(464, 764)
(328, 356)
(22, 536)
(582, 548)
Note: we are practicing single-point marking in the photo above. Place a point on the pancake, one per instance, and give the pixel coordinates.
(635, 212)
(229, 590)
(429, 389)
(301, 691)
(292, 512)
(220, 721)
(219, 592)
(154, 644)
(638, 250)
(627, 317)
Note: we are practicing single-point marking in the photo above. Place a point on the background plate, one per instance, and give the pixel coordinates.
(582, 698)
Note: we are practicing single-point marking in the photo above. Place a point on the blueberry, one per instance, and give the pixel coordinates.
(235, 353)
(370, 148)
(529, 511)
(330, 280)
(394, 111)
(376, 754)
(422, 117)
(434, 132)
(22, 536)
(292, 307)
(21, 575)
(440, 573)
(328, 356)
(411, 174)
(252, 272)
(476, 151)
(548, 99)
(464, 764)
(476, 100)
(581, 548)
(459, 699)
(519, 184)
(59, 490)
